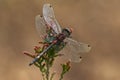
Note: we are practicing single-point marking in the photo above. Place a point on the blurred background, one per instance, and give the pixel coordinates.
(96, 22)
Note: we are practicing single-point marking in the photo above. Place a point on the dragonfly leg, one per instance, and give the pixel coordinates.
(41, 42)
(45, 46)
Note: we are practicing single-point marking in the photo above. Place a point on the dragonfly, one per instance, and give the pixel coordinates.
(58, 36)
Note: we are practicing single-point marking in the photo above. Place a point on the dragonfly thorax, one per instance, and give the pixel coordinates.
(66, 32)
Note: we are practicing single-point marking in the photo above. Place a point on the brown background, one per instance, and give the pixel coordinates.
(96, 22)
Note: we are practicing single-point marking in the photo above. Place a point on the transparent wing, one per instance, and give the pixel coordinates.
(49, 17)
(40, 25)
(74, 50)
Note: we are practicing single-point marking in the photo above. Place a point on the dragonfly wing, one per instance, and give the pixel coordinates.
(40, 25)
(73, 49)
(48, 14)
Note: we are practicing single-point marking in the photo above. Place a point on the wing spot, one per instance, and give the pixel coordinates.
(41, 16)
(88, 45)
(80, 57)
(50, 6)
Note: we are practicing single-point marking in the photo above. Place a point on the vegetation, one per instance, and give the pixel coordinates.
(46, 61)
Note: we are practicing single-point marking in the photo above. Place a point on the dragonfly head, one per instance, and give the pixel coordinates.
(67, 31)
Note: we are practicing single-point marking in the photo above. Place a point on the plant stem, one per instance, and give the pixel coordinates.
(48, 67)
(52, 75)
(43, 76)
(61, 77)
